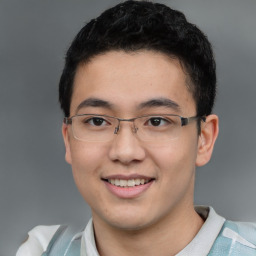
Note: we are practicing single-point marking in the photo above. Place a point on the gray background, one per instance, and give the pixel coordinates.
(36, 185)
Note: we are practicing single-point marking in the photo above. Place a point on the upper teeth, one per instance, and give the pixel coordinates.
(128, 183)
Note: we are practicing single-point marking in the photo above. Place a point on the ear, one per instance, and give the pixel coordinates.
(66, 138)
(206, 140)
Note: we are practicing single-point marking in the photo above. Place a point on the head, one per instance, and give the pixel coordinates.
(133, 26)
(139, 58)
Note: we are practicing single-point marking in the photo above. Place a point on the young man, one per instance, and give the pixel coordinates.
(137, 92)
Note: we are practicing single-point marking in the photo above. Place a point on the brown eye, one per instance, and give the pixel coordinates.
(157, 121)
(96, 121)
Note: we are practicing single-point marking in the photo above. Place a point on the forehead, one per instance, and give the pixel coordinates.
(126, 80)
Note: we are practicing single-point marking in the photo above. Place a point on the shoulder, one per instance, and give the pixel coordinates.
(235, 237)
(241, 231)
(38, 240)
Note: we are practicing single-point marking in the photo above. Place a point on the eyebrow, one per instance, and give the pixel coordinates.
(94, 102)
(155, 102)
(159, 102)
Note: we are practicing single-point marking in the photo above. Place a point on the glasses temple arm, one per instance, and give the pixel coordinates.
(67, 120)
(186, 120)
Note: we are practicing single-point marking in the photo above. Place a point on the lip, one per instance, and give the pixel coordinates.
(128, 192)
(127, 177)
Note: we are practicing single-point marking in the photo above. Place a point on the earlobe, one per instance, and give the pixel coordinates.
(207, 138)
(66, 139)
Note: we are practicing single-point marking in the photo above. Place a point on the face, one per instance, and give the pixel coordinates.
(125, 81)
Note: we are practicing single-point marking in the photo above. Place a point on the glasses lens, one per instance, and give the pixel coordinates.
(93, 128)
(158, 128)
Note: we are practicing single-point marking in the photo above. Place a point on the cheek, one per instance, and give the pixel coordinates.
(176, 159)
(86, 160)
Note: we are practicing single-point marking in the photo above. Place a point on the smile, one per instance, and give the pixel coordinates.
(128, 187)
(128, 183)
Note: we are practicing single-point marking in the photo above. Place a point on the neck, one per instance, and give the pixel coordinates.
(165, 238)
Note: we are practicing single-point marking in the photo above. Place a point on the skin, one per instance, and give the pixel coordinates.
(164, 212)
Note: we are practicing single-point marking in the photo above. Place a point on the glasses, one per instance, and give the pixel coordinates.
(163, 127)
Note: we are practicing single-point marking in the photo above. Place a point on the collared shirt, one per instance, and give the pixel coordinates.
(40, 236)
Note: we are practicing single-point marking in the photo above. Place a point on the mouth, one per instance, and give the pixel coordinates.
(128, 183)
(128, 187)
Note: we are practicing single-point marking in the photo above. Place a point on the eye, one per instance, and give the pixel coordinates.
(96, 121)
(157, 121)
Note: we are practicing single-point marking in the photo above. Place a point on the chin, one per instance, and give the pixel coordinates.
(133, 221)
(130, 226)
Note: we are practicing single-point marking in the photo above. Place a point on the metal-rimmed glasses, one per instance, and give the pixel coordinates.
(159, 127)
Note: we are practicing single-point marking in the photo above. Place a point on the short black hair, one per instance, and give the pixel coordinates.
(143, 25)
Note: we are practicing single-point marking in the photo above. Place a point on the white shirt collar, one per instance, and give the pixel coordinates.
(203, 241)
(88, 245)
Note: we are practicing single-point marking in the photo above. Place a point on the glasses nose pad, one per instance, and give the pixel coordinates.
(135, 129)
(116, 130)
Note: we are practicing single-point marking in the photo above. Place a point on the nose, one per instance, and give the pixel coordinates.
(126, 147)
